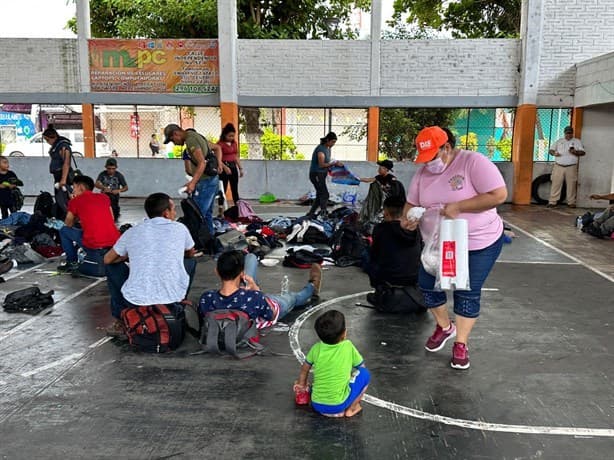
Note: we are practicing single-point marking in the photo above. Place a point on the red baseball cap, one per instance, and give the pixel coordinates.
(428, 143)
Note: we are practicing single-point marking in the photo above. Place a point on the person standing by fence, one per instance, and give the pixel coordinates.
(231, 163)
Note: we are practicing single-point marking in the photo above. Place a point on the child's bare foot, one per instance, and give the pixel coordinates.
(353, 410)
(340, 414)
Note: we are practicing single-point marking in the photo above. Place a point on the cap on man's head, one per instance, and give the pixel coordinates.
(168, 132)
(428, 143)
(111, 162)
(386, 164)
(568, 130)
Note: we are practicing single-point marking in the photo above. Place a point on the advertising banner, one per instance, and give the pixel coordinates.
(154, 66)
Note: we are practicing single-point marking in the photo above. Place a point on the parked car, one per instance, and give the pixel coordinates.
(37, 147)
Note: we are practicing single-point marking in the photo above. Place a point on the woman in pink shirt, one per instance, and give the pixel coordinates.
(231, 167)
(456, 184)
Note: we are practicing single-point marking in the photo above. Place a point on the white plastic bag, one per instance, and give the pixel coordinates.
(453, 266)
(430, 252)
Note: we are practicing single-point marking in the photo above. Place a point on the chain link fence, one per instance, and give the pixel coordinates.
(488, 131)
(549, 127)
(293, 133)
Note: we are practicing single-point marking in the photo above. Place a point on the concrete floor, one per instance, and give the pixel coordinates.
(539, 386)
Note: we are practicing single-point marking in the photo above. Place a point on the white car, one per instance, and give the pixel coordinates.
(37, 147)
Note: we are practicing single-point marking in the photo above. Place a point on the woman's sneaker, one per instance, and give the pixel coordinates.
(460, 356)
(439, 338)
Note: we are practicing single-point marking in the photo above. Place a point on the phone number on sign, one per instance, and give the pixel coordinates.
(196, 89)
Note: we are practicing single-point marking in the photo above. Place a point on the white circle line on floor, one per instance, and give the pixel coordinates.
(415, 413)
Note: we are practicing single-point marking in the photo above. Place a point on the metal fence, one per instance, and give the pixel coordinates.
(549, 127)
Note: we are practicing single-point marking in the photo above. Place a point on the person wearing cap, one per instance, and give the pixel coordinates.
(318, 170)
(388, 181)
(456, 184)
(566, 152)
(111, 182)
(203, 187)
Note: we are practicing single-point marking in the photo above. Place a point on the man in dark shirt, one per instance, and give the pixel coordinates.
(394, 261)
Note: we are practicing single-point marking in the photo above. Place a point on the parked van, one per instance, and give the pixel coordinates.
(37, 147)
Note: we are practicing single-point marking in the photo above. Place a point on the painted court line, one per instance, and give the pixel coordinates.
(536, 262)
(72, 357)
(53, 364)
(415, 413)
(42, 313)
(560, 251)
(22, 272)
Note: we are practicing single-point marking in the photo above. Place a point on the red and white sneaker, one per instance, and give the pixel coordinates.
(439, 338)
(460, 356)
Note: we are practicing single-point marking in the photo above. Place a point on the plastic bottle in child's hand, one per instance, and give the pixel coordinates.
(415, 213)
(301, 394)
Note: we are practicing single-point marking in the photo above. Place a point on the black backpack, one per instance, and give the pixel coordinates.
(29, 300)
(301, 259)
(194, 220)
(399, 299)
(45, 204)
(155, 328)
(348, 246)
(211, 165)
(229, 330)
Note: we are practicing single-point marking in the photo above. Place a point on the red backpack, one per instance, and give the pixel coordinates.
(155, 328)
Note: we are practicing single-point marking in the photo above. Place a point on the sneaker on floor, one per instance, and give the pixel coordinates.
(439, 338)
(116, 329)
(6, 266)
(315, 278)
(68, 267)
(460, 356)
(371, 298)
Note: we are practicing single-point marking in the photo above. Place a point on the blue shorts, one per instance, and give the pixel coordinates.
(359, 381)
(466, 303)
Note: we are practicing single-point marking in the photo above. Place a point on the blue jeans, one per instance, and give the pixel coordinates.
(117, 275)
(204, 195)
(466, 303)
(16, 218)
(71, 239)
(287, 301)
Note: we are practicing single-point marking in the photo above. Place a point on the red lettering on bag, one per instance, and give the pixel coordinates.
(448, 255)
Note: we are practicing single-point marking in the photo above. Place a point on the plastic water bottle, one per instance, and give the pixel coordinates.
(579, 223)
(285, 283)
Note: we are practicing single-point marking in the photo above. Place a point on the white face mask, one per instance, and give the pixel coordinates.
(436, 166)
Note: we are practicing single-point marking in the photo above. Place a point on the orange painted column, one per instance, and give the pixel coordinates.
(373, 134)
(577, 117)
(89, 135)
(230, 114)
(523, 144)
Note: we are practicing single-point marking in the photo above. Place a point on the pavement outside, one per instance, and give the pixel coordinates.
(540, 383)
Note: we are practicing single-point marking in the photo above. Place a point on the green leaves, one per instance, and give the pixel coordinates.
(463, 18)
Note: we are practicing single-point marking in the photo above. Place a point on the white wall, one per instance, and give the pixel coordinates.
(573, 31)
(595, 81)
(39, 65)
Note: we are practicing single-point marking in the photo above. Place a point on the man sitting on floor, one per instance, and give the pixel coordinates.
(93, 211)
(602, 224)
(236, 269)
(161, 255)
(394, 259)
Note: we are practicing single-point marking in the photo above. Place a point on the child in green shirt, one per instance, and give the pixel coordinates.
(339, 376)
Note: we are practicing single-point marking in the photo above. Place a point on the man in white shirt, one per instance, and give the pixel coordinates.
(565, 152)
(160, 252)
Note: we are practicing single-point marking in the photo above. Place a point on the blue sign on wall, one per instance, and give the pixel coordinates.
(24, 127)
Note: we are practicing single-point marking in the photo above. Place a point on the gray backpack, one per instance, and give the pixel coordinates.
(228, 331)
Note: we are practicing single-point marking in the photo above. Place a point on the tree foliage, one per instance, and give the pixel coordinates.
(291, 19)
(463, 18)
(398, 129)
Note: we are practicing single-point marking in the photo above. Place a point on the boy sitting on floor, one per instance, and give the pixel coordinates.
(339, 376)
(234, 268)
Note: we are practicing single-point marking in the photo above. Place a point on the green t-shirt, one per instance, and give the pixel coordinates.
(332, 368)
(194, 141)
